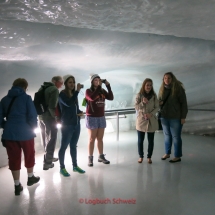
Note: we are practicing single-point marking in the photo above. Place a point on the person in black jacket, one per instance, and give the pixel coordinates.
(70, 120)
(173, 114)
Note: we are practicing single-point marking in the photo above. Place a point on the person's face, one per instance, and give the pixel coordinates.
(96, 82)
(148, 86)
(59, 84)
(70, 84)
(167, 79)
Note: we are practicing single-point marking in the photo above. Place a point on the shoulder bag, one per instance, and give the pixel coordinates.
(159, 112)
(8, 111)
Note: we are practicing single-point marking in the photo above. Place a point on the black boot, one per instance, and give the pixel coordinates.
(18, 189)
(102, 159)
(33, 180)
(90, 161)
(46, 166)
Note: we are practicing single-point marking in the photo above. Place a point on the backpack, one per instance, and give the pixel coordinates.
(40, 102)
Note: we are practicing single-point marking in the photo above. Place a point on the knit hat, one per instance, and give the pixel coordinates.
(66, 77)
(92, 77)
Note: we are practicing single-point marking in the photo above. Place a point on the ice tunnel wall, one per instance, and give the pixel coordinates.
(38, 52)
(123, 41)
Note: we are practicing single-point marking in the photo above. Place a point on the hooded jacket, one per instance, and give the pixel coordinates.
(69, 109)
(96, 101)
(22, 118)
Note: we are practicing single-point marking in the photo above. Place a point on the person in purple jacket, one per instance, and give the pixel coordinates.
(18, 131)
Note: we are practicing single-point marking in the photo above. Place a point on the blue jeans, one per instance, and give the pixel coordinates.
(172, 133)
(141, 136)
(70, 136)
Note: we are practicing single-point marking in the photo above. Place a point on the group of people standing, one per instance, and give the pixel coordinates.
(172, 104)
(63, 107)
(21, 120)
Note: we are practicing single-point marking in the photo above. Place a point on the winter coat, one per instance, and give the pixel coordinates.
(96, 101)
(51, 97)
(150, 125)
(22, 118)
(175, 106)
(69, 109)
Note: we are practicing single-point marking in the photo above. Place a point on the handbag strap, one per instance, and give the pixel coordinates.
(165, 100)
(9, 107)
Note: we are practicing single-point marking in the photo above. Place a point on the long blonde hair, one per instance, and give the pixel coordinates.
(175, 85)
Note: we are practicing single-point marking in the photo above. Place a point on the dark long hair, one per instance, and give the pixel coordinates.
(93, 89)
(66, 90)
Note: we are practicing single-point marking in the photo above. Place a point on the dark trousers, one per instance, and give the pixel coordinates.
(49, 137)
(70, 136)
(141, 136)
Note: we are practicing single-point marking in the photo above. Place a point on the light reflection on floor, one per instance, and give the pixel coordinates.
(161, 188)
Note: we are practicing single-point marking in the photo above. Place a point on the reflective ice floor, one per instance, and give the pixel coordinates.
(162, 188)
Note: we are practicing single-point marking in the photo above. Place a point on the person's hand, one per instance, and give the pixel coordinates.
(148, 115)
(106, 83)
(182, 121)
(145, 100)
(160, 102)
(78, 87)
(80, 114)
(100, 82)
(57, 119)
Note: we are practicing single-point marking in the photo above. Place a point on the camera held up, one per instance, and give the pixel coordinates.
(81, 86)
(103, 81)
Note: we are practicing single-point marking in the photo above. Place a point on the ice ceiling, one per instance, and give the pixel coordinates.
(124, 41)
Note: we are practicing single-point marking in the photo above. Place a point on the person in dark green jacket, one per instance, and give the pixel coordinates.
(173, 100)
(48, 121)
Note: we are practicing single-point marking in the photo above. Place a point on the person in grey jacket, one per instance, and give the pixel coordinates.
(18, 131)
(173, 114)
(146, 106)
(48, 121)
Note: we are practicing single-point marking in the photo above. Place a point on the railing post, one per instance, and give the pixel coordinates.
(117, 126)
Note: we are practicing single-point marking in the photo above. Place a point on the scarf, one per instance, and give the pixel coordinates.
(148, 95)
(168, 86)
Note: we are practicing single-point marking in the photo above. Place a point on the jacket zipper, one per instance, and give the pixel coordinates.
(76, 114)
(91, 106)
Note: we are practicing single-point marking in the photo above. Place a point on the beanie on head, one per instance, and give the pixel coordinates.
(66, 77)
(93, 77)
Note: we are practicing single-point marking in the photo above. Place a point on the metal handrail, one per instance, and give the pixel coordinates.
(133, 109)
(212, 110)
(118, 112)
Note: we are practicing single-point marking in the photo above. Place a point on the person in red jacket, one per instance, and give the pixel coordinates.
(95, 119)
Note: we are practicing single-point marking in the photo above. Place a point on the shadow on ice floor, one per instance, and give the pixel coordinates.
(186, 188)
